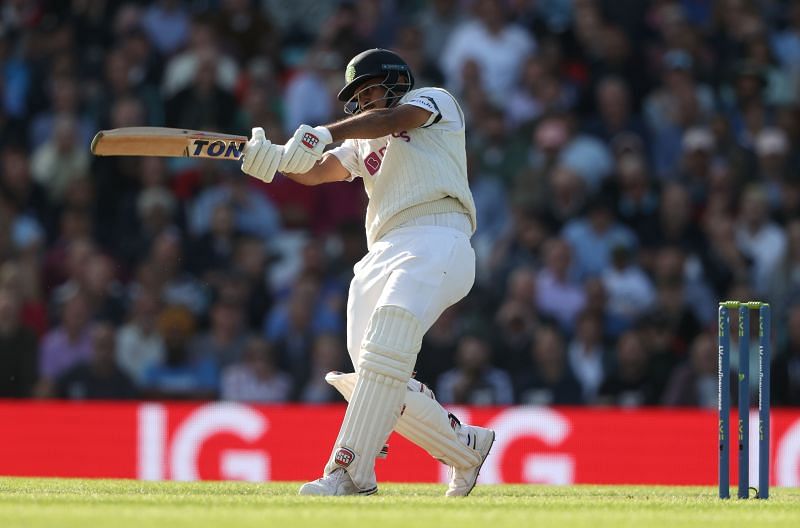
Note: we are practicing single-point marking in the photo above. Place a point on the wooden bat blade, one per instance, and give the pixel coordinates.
(167, 142)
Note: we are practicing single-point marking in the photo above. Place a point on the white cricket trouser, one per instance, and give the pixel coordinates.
(421, 268)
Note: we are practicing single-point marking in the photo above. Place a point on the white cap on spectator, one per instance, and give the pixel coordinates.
(771, 141)
(698, 138)
(155, 197)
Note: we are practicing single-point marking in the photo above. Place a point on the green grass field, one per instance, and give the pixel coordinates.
(68, 503)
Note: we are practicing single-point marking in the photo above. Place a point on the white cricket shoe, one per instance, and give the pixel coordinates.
(338, 482)
(463, 480)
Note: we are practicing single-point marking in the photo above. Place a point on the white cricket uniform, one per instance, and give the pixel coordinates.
(420, 261)
(419, 219)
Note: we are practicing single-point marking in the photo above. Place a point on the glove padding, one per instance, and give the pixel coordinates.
(261, 158)
(305, 148)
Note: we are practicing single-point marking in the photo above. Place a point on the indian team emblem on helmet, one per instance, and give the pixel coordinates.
(350, 73)
(344, 457)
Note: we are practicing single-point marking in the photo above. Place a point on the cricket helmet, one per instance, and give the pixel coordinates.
(381, 64)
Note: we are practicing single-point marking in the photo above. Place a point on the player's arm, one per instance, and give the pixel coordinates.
(378, 123)
(328, 169)
(368, 125)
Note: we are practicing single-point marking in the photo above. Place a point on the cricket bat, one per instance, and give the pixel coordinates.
(167, 142)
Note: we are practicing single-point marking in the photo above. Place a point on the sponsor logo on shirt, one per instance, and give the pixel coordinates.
(374, 159)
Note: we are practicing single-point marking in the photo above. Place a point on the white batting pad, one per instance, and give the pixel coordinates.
(389, 351)
(423, 421)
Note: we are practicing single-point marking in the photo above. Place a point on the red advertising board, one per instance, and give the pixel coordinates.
(159, 441)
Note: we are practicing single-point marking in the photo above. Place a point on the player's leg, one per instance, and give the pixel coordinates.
(427, 286)
(426, 423)
(363, 295)
(390, 347)
(437, 274)
(442, 276)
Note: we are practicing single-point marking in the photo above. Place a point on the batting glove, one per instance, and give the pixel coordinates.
(261, 158)
(305, 148)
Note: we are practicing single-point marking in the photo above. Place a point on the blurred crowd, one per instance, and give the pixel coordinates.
(632, 161)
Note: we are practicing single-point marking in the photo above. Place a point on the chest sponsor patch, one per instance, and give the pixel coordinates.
(372, 163)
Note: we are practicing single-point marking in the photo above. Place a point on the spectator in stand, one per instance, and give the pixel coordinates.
(18, 358)
(786, 364)
(498, 47)
(697, 157)
(21, 232)
(531, 184)
(784, 283)
(492, 207)
(67, 344)
(759, 239)
(593, 236)
(437, 21)
(327, 354)
(64, 94)
(521, 247)
(225, 341)
(166, 23)
(212, 252)
(558, 294)
(694, 382)
(255, 376)
(204, 104)
(587, 355)
(156, 209)
(73, 245)
(313, 81)
(773, 169)
(203, 48)
(251, 263)
(70, 266)
(630, 291)
(254, 213)
(677, 103)
(630, 384)
(786, 42)
(244, 29)
(614, 112)
(496, 153)
(539, 92)
(16, 181)
(294, 324)
(60, 160)
(99, 377)
(165, 263)
(262, 99)
(180, 376)
(551, 380)
(474, 381)
(22, 278)
(438, 350)
(672, 304)
(139, 345)
(723, 260)
(674, 225)
(516, 320)
(636, 197)
(104, 292)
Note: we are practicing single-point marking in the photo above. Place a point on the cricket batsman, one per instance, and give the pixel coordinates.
(408, 148)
